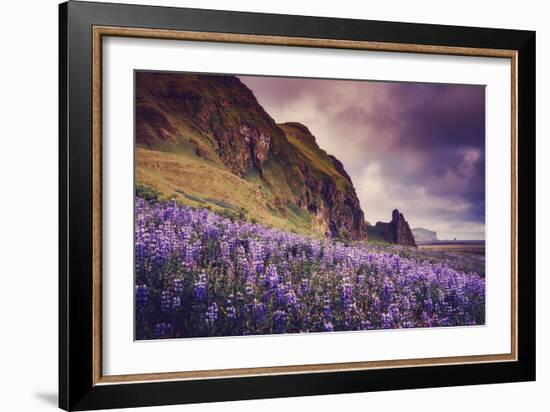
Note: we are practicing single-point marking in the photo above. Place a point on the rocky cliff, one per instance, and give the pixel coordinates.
(422, 235)
(327, 189)
(206, 140)
(396, 231)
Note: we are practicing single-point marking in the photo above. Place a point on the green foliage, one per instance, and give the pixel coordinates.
(190, 196)
(316, 157)
(242, 213)
(147, 192)
(299, 217)
(220, 203)
(343, 236)
(239, 214)
(228, 213)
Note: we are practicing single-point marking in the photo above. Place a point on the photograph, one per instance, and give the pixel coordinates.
(277, 205)
(258, 204)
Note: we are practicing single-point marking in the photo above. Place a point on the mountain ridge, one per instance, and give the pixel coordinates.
(192, 129)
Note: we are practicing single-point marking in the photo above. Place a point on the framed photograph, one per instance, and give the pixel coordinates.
(257, 205)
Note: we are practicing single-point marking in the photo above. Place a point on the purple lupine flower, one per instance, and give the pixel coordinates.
(259, 311)
(161, 329)
(249, 289)
(328, 326)
(212, 314)
(200, 287)
(141, 295)
(271, 275)
(230, 310)
(177, 286)
(281, 293)
(279, 321)
(327, 310)
(304, 287)
(291, 299)
(166, 300)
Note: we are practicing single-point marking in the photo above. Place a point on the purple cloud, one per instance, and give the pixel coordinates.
(413, 146)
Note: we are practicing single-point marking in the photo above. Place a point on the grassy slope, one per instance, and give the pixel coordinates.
(174, 169)
(186, 165)
(198, 182)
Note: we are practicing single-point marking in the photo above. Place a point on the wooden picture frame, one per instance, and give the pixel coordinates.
(82, 385)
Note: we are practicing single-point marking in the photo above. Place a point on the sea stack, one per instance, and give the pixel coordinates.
(397, 231)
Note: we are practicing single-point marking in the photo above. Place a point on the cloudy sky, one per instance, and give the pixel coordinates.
(416, 147)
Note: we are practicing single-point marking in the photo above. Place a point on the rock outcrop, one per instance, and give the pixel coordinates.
(219, 109)
(328, 190)
(422, 235)
(396, 231)
(218, 119)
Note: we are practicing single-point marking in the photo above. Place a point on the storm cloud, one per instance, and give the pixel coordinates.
(416, 147)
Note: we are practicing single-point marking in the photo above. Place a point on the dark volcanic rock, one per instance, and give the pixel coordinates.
(339, 167)
(397, 231)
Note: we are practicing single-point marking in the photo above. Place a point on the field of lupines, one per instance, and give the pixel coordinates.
(200, 274)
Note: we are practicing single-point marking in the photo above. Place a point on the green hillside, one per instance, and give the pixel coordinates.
(205, 141)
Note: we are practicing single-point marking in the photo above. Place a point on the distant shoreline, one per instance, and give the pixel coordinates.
(459, 246)
(452, 242)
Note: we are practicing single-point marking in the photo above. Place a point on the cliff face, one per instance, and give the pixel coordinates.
(396, 231)
(327, 189)
(422, 235)
(218, 109)
(217, 121)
